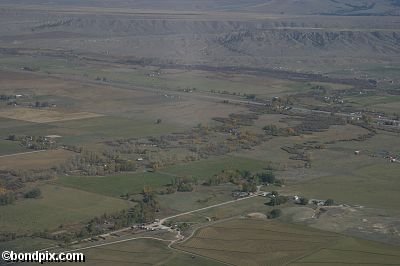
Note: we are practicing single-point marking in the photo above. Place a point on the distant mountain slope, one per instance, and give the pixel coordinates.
(299, 7)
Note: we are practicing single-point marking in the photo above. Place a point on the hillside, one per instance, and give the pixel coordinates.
(300, 7)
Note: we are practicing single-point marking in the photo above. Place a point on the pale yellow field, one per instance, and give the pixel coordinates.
(43, 116)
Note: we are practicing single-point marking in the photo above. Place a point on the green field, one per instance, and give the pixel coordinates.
(94, 129)
(115, 185)
(233, 209)
(57, 205)
(10, 147)
(18, 127)
(84, 131)
(202, 196)
(27, 244)
(211, 166)
(263, 242)
(389, 104)
(368, 179)
(375, 185)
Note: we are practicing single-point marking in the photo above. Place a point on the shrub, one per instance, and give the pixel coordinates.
(33, 194)
(329, 202)
(275, 213)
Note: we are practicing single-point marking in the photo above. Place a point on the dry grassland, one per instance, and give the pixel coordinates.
(43, 115)
(37, 160)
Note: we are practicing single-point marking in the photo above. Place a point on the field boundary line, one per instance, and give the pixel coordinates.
(192, 234)
(21, 153)
(269, 230)
(261, 239)
(361, 251)
(295, 260)
(117, 242)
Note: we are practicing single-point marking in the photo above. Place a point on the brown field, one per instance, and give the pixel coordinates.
(263, 242)
(255, 242)
(37, 160)
(43, 116)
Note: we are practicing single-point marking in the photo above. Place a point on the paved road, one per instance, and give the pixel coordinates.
(160, 223)
(206, 208)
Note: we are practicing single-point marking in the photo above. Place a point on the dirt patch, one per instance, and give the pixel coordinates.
(257, 215)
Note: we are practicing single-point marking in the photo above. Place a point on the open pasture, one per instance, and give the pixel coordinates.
(18, 127)
(366, 179)
(388, 104)
(201, 197)
(35, 160)
(170, 79)
(351, 251)
(209, 167)
(57, 205)
(226, 211)
(115, 185)
(370, 183)
(263, 242)
(108, 127)
(10, 147)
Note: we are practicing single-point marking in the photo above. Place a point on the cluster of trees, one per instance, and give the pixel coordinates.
(34, 142)
(276, 199)
(275, 213)
(7, 198)
(42, 104)
(4, 97)
(317, 123)
(93, 163)
(12, 184)
(329, 202)
(235, 120)
(246, 181)
(309, 124)
(183, 184)
(143, 212)
(273, 130)
(104, 79)
(33, 193)
(7, 236)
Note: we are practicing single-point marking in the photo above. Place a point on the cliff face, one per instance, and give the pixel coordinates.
(210, 38)
(312, 42)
